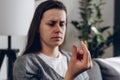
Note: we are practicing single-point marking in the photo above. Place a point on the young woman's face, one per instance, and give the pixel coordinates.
(53, 27)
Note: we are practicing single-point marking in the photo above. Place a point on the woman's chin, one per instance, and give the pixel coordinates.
(57, 43)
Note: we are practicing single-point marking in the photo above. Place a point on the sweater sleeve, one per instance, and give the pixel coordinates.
(23, 70)
(19, 69)
(82, 76)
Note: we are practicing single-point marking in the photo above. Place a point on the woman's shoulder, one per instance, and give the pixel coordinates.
(23, 59)
(26, 62)
(25, 65)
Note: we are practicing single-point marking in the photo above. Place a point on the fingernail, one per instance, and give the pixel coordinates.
(81, 41)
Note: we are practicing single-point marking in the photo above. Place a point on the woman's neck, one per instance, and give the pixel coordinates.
(52, 52)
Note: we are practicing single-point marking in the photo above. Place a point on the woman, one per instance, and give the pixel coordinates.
(43, 59)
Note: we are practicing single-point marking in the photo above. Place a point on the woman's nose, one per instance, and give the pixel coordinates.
(58, 28)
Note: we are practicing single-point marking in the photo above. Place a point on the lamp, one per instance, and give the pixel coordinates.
(15, 18)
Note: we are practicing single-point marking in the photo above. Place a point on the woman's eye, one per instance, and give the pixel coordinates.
(51, 24)
(62, 24)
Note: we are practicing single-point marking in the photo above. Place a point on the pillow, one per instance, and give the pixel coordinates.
(94, 73)
(110, 68)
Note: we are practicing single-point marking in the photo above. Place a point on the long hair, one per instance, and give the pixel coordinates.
(33, 38)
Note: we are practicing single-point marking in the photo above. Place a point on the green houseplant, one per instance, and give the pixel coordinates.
(89, 28)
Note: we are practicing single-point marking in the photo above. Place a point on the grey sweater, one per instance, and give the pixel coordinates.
(32, 67)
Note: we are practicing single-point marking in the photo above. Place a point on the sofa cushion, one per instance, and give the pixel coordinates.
(110, 68)
(94, 73)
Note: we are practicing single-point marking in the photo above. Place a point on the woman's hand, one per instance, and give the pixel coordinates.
(79, 62)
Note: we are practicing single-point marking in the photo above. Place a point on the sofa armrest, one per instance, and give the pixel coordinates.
(94, 73)
(110, 68)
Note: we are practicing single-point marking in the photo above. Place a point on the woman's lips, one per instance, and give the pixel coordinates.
(57, 38)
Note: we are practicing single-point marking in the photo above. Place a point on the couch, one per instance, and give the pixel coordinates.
(105, 69)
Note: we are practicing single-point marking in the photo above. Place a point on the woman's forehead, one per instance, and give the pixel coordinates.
(54, 14)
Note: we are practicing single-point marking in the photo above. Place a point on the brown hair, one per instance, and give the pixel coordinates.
(33, 38)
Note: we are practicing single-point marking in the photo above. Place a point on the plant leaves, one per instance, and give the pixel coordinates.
(76, 24)
(104, 28)
(94, 29)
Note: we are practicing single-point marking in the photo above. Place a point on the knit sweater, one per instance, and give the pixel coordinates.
(32, 67)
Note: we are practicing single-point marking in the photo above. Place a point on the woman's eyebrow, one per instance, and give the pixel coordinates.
(55, 21)
(52, 21)
(62, 21)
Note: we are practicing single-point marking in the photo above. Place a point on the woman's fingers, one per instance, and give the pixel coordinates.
(80, 60)
(74, 51)
(83, 46)
(86, 55)
(85, 51)
(80, 55)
